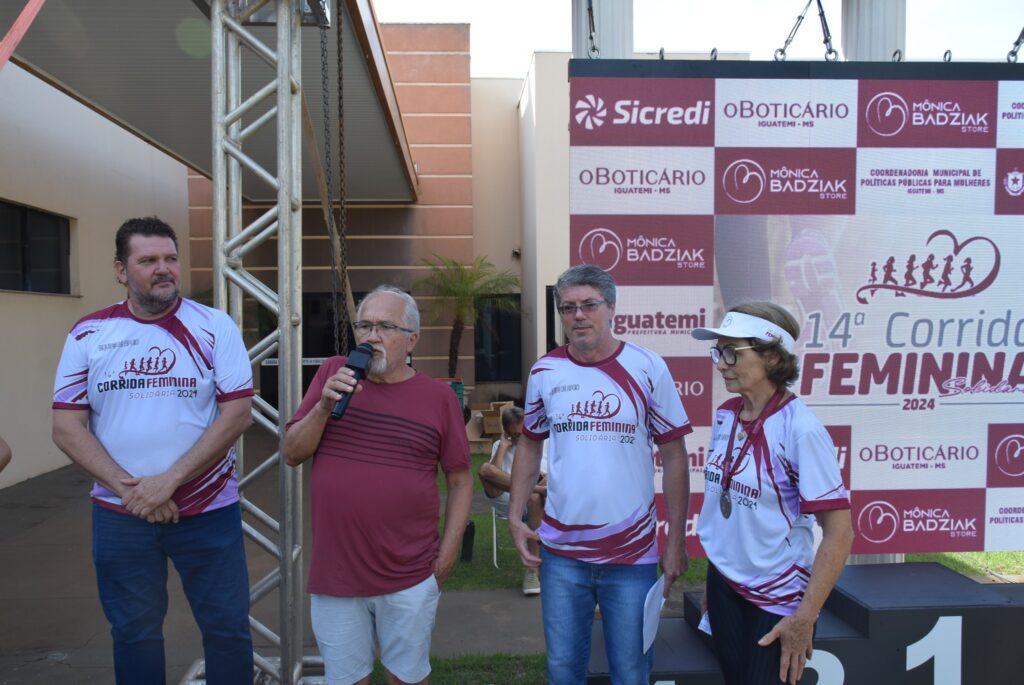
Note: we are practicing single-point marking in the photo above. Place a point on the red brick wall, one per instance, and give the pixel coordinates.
(429, 67)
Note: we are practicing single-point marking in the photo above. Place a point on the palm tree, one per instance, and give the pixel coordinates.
(458, 287)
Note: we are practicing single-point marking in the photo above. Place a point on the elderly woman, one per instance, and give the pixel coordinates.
(771, 471)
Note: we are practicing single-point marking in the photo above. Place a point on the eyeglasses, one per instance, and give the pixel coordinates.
(385, 328)
(566, 309)
(728, 353)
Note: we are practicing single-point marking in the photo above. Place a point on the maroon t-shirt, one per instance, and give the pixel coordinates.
(374, 483)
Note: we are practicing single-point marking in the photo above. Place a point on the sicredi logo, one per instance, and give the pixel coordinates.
(591, 113)
(878, 522)
(886, 114)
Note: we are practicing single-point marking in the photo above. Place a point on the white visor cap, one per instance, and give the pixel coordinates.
(737, 325)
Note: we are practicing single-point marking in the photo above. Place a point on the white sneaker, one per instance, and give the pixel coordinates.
(531, 582)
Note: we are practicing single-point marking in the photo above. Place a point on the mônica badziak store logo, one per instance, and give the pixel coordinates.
(927, 114)
(647, 249)
(912, 520)
(785, 181)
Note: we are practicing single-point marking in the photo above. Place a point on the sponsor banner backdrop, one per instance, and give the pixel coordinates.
(1006, 455)
(695, 447)
(887, 460)
(661, 317)
(951, 114)
(785, 113)
(647, 250)
(694, 378)
(889, 521)
(641, 180)
(842, 437)
(645, 111)
(693, 546)
(785, 180)
(887, 214)
(1010, 124)
(1004, 516)
(1009, 181)
(933, 180)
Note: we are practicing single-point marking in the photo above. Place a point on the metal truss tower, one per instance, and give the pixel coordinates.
(236, 117)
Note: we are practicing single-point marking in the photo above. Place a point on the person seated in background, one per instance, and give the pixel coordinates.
(5, 455)
(496, 477)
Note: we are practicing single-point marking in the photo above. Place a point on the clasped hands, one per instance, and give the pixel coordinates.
(149, 498)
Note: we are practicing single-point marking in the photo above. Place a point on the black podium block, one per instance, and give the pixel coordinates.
(916, 623)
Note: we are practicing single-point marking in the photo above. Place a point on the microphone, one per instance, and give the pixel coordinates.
(358, 360)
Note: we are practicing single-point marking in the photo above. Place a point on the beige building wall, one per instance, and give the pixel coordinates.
(497, 193)
(497, 200)
(544, 155)
(59, 156)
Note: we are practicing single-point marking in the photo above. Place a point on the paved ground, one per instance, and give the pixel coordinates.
(52, 630)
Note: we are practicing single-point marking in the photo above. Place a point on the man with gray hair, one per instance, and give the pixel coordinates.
(377, 562)
(604, 404)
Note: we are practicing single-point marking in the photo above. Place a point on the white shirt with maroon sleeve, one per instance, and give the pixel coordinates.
(602, 420)
(152, 388)
(764, 550)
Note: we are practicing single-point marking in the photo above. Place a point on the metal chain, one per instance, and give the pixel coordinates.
(831, 55)
(594, 51)
(329, 182)
(341, 303)
(780, 54)
(1011, 56)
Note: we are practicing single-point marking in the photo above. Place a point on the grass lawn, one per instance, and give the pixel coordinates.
(977, 563)
(480, 574)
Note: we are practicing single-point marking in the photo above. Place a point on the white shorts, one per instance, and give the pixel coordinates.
(401, 624)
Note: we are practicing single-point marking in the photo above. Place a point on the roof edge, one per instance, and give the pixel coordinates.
(367, 31)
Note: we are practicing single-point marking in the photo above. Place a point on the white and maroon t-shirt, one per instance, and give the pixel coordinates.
(602, 420)
(764, 549)
(151, 389)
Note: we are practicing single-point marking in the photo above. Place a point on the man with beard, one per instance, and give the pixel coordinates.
(377, 562)
(150, 396)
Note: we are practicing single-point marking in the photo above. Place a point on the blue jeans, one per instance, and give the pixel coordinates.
(571, 591)
(131, 572)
